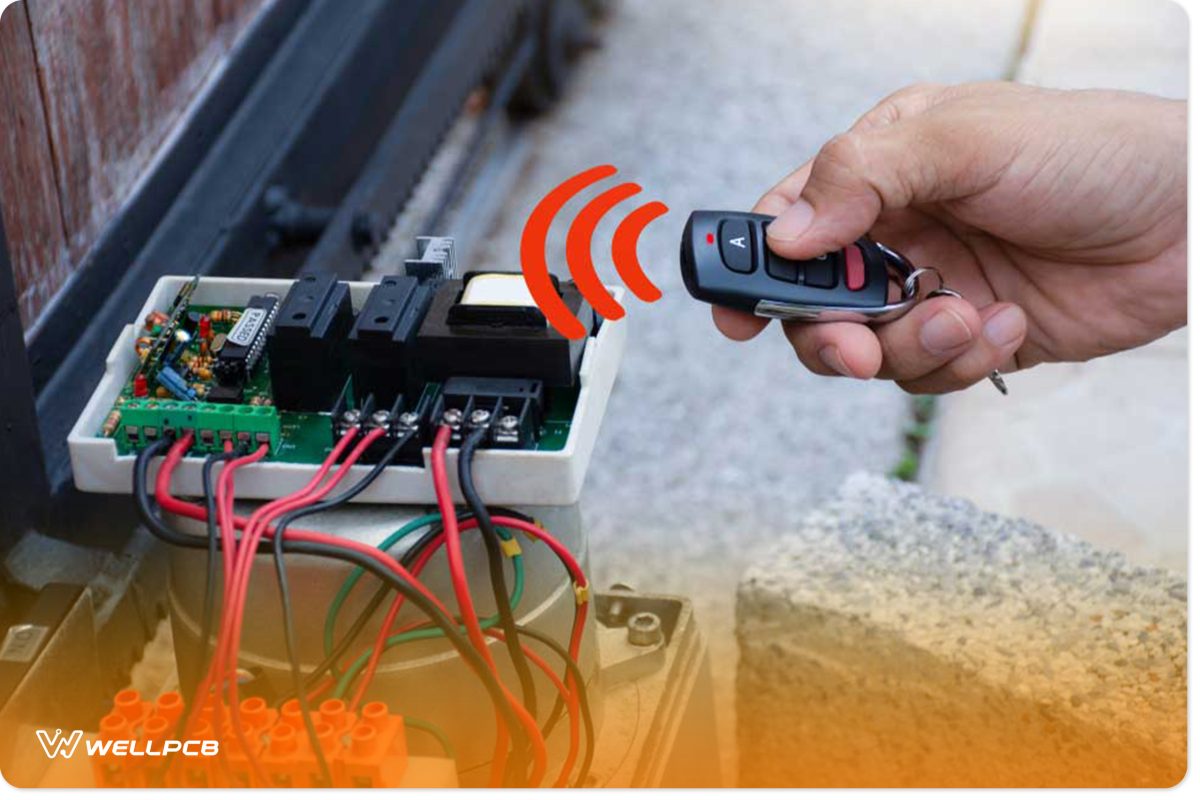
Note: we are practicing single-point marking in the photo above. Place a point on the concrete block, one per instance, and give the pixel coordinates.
(901, 638)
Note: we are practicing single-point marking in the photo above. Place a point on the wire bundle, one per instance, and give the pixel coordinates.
(520, 753)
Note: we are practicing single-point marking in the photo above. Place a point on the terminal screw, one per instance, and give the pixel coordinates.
(509, 423)
(408, 419)
(381, 418)
(480, 416)
(645, 629)
(351, 416)
(452, 417)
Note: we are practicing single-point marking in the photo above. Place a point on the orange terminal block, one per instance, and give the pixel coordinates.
(289, 760)
(195, 771)
(256, 719)
(123, 722)
(376, 753)
(113, 771)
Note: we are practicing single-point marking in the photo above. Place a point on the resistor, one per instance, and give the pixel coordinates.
(111, 422)
(224, 315)
(155, 319)
(204, 347)
(142, 345)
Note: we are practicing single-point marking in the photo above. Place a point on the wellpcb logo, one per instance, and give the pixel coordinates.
(56, 744)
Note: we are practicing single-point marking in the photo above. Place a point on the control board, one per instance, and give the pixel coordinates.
(292, 364)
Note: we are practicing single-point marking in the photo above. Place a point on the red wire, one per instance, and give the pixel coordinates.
(466, 608)
(179, 507)
(254, 533)
(569, 697)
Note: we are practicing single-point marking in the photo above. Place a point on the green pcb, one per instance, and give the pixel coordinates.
(294, 437)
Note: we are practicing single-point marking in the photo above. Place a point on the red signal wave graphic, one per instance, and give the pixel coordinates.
(578, 250)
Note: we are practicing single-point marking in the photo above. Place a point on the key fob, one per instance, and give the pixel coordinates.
(725, 261)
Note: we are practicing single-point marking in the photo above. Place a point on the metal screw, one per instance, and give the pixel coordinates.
(644, 629)
(351, 416)
(509, 423)
(409, 419)
(480, 416)
(381, 418)
(452, 416)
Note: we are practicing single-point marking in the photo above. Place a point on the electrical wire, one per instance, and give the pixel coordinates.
(466, 607)
(495, 557)
(311, 543)
(363, 661)
(289, 629)
(433, 730)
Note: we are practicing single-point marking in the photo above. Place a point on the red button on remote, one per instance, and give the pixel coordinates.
(856, 271)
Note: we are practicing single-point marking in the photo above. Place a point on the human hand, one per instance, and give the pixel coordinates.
(1061, 217)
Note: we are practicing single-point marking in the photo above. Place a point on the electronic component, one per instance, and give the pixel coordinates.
(244, 342)
(306, 348)
(146, 420)
(436, 260)
(381, 346)
(511, 409)
(170, 380)
(497, 345)
(498, 299)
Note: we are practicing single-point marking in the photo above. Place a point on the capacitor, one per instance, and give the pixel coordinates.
(205, 328)
(140, 387)
(162, 392)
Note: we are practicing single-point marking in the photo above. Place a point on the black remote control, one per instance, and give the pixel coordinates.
(725, 261)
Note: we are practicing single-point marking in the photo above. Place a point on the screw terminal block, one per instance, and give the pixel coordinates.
(367, 749)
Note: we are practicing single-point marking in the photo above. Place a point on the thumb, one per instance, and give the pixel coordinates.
(855, 177)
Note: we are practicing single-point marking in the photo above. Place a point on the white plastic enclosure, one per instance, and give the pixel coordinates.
(504, 477)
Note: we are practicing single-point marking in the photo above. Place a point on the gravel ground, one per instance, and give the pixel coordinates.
(710, 448)
(897, 623)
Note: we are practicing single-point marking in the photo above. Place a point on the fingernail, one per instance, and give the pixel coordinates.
(792, 224)
(944, 332)
(1005, 327)
(831, 358)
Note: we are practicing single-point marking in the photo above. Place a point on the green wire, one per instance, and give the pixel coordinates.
(335, 608)
(435, 731)
(347, 678)
(339, 600)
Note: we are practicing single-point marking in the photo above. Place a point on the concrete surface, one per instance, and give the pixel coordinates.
(904, 638)
(712, 448)
(1096, 449)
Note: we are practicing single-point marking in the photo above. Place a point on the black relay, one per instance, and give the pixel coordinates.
(383, 342)
(306, 348)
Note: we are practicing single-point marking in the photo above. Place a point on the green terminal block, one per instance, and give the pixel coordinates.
(145, 420)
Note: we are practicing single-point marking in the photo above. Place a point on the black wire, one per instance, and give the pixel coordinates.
(585, 709)
(210, 578)
(495, 557)
(449, 629)
(285, 596)
(364, 616)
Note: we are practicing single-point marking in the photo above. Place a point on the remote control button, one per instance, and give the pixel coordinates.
(820, 273)
(737, 245)
(783, 269)
(856, 270)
